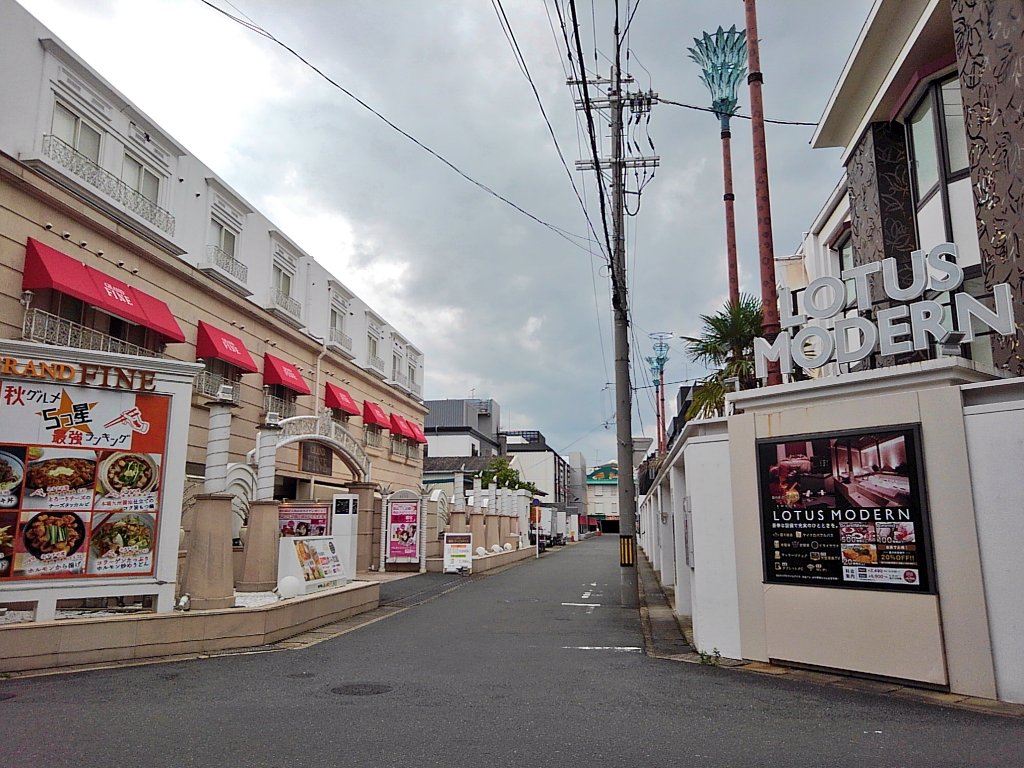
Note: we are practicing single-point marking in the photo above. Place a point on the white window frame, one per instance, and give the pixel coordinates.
(79, 122)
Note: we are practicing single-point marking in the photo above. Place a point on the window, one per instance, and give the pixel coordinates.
(223, 238)
(140, 178)
(337, 320)
(282, 281)
(844, 250)
(938, 138)
(372, 434)
(371, 346)
(411, 368)
(76, 133)
(396, 367)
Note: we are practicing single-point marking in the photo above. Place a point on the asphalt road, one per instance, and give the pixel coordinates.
(536, 665)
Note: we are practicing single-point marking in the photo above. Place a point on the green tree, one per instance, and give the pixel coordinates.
(726, 343)
(501, 473)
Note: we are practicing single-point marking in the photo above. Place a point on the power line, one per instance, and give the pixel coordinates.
(663, 100)
(506, 27)
(565, 234)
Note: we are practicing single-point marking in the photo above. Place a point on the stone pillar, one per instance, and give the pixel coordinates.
(989, 39)
(477, 519)
(433, 546)
(364, 525)
(218, 439)
(266, 451)
(208, 579)
(259, 565)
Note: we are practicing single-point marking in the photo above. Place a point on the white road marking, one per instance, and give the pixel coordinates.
(584, 605)
(617, 648)
(585, 596)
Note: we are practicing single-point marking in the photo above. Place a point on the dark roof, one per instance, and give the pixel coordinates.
(456, 463)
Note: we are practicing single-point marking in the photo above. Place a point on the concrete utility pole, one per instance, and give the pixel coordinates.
(762, 199)
(616, 165)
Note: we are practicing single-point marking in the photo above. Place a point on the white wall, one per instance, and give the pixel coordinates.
(994, 422)
(452, 445)
(715, 601)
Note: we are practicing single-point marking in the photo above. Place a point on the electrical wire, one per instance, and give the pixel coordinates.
(565, 234)
(663, 100)
(517, 53)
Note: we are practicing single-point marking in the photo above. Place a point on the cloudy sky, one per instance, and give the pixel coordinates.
(501, 306)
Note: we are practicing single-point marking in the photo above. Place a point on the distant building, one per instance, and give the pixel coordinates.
(539, 464)
(603, 496)
(462, 428)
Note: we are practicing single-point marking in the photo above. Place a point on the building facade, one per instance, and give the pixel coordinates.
(463, 427)
(113, 237)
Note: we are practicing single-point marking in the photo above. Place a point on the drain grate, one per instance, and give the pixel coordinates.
(361, 689)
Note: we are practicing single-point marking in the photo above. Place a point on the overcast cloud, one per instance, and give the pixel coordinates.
(501, 306)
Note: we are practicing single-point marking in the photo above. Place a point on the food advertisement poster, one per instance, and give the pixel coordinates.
(318, 558)
(845, 510)
(80, 477)
(403, 528)
(303, 519)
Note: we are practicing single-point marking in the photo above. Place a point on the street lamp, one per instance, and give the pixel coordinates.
(721, 58)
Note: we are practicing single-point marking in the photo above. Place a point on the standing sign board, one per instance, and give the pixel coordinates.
(458, 553)
(845, 510)
(313, 560)
(403, 525)
(91, 470)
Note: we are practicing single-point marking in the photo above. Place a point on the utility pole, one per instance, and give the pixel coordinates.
(616, 165)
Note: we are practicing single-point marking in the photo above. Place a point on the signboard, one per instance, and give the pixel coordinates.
(458, 553)
(304, 519)
(81, 471)
(314, 560)
(845, 510)
(315, 458)
(403, 541)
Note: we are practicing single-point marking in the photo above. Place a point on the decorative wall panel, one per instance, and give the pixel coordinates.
(989, 37)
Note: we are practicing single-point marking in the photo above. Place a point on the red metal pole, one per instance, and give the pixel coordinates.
(662, 441)
(730, 217)
(762, 199)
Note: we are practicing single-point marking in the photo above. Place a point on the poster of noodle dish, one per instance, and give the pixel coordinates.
(80, 480)
(845, 509)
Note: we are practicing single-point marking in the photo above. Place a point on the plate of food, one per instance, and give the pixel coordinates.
(120, 472)
(12, 471)
(69, 471)
(123, 533)
(51, 533)
(860, 554)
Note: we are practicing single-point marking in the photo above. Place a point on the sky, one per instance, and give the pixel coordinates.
(502, 306)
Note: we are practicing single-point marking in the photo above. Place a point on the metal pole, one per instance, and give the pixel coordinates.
(623, 387)
(762, 199)
(730, 213)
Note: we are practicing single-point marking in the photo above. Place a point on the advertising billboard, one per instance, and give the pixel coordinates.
(845, 509)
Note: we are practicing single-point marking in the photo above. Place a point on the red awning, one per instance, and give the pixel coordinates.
(417, 431)
(46, 267)
(277, 371)
(213, 342)
(374, 414)
(336, 397)
(399, 426)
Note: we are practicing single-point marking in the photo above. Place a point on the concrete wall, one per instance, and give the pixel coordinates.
(994, 423)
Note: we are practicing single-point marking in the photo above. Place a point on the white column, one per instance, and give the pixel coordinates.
(266, 450)
(218, 442)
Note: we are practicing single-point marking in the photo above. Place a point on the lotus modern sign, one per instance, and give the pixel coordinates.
(896, 330)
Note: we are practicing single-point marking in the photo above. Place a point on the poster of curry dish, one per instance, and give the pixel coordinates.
(80, 480)
(845, 509)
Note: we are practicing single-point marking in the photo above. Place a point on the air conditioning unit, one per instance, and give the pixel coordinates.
(226, 392)
(272, 418)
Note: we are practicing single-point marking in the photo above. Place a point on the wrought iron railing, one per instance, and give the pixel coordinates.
(415, 387)
(375, 363)
(223, 260)
(78, 164)
(402, 380)
(283, 301)
(216, 385)
(372, 437)
(342, 339)
(47, 328)
(284, 409)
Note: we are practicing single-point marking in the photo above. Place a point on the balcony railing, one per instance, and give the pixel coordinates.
(46, 328)
(224, 261)
(79, 165)
(285, 303)
(375, 364)
(284, 409)
(341, 339)
(214, 385)
(372, 437)
(401, 380)
(416, 388)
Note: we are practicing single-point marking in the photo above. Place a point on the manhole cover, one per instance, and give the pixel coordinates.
(361, 689)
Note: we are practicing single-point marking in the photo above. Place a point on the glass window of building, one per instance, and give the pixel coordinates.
(76, 133)
(140, 178)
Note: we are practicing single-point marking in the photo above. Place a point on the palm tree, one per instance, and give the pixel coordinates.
(726, 343)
